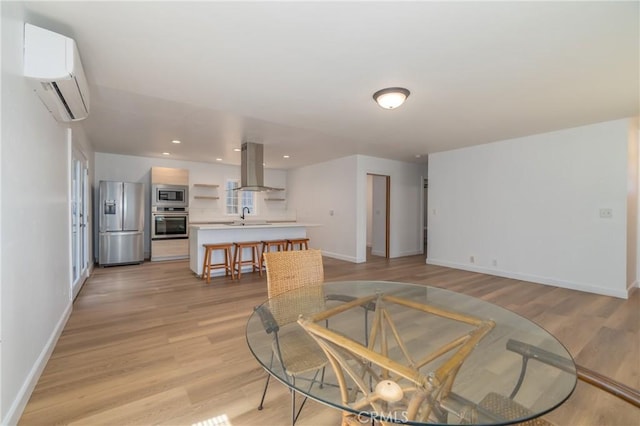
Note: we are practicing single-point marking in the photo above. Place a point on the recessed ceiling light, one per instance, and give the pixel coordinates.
(175, 141)
(218, 159)
(285, 156)
(237, 149)
(165, 153)
(418, 155)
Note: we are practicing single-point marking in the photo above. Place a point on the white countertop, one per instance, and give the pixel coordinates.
(251, 226)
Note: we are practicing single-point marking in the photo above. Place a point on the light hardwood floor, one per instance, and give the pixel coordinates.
(153, 344)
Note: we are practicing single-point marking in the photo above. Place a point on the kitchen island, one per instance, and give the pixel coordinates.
(231, 233)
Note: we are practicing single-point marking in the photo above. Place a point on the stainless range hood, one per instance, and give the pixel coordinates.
(252, 169)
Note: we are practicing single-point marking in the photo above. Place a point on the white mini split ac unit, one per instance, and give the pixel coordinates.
(52, 63)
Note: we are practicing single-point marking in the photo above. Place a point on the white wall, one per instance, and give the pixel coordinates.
(532, 205)
(138, 169)
(319, 190)
(340, 186)
(35, 284)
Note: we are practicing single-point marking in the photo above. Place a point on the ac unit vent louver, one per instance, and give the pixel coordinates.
(52, 64)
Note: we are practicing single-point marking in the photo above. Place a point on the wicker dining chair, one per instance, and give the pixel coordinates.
(297, 352)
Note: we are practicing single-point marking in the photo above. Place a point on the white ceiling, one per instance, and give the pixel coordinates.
(299, 76)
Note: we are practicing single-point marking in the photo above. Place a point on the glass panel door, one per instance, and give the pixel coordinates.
(79, 230)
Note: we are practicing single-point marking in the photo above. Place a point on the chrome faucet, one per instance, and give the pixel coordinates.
(243, 209)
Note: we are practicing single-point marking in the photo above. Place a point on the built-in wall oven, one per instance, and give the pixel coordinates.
(169, 222)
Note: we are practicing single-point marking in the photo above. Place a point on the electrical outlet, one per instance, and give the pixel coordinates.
(606, 213)
(495, 262)
(472, 259)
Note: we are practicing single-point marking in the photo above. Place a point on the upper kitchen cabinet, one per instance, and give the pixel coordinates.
(169, 176)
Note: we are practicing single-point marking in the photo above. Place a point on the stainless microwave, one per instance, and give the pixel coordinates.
(170, 195)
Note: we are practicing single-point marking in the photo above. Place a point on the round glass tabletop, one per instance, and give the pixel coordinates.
(413, 354)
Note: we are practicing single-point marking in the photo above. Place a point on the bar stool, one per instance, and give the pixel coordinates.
(278, 245)
(303, 244)
(208, 266)
(268, 245)
(255, 257)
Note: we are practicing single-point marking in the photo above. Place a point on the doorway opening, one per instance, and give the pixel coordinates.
(378, 218)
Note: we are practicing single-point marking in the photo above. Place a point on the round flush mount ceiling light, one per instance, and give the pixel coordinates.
(391, 97)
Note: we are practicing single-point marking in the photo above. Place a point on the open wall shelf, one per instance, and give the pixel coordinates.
(205, 185)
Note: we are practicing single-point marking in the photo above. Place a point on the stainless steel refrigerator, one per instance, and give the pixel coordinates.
(121, 223)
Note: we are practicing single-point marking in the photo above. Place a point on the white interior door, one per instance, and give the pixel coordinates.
(79, 229)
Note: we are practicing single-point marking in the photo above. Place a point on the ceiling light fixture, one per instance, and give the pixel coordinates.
(285, 156)
(176, 141)
(391, 97)
(165, 153)
(237, 149)
(218, 159)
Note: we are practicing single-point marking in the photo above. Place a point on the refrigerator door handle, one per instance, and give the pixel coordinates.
(121, 233)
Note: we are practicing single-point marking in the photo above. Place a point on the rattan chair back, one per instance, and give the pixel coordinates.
(294, 270)
(288, 270)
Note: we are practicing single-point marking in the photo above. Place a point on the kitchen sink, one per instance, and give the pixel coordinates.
(252, 222)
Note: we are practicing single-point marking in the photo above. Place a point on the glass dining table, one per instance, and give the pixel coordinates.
(411, 354)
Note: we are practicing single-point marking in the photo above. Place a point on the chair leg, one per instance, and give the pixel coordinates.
(206, 274)
(229, 261)
(293, 407)
(238, 261)
(266, 385)
(256, 260)
(322, 378)
(294, 414)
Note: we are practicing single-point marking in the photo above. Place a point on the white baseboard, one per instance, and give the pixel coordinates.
(533, 278)
(340, 256)
(20, 402)
(410, 253)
